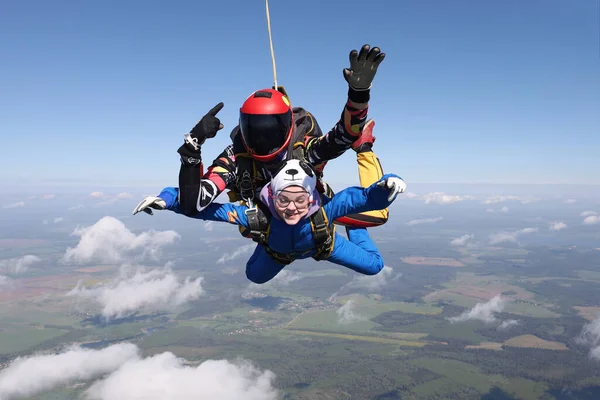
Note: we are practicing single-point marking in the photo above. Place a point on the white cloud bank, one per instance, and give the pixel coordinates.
(443, 198)
(124, 375)
(485, 312)
(15, 205)
(347, 314)
(482, 311)
(109, 241)
(27, 376)
(136, 290)
(424, 221)
(590, 336)
(502, 199)
(18, 265)
(240, 251)
(502, 237)
(557, 226)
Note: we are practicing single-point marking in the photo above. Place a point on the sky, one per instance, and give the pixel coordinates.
(101, 93)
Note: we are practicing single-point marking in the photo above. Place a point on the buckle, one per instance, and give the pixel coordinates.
(258, 236)
(321, 228)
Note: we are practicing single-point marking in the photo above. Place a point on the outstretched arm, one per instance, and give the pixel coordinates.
(356, 199)
(360, 75)
(228, 212)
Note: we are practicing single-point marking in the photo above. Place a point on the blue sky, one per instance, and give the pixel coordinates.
(101, 93)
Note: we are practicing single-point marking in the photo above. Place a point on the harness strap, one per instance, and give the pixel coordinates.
(322, 235)
(245, 183)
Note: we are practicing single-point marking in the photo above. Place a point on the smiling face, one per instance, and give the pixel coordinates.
(292, 204)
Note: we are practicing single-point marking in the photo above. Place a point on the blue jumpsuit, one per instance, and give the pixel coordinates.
(359, 253)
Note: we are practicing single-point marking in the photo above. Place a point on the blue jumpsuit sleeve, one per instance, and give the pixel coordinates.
(355, 199)
(230, 213)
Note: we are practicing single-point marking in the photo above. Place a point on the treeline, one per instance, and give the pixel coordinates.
(577, 293)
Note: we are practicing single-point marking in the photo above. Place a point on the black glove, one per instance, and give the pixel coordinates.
(207, 127)
(363, 67)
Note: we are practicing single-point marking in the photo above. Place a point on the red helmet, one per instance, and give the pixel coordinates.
(266, 124)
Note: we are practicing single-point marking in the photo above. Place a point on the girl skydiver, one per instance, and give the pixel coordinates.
(291, 202)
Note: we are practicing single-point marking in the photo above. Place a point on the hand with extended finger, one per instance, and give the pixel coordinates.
(363, 67)
(394, 184)
(207, 127)
(150, 203)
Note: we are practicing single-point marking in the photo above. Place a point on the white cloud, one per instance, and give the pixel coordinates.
(375, 282)
(442, 198)
(76, 207)
(48, 196)
(501, 237)
(58, 219)
(571, 201)
(507, 324)
(34, 374)
(4, 280)
(240, 251)
(154, 377)
(591, 220)
(286, 277)
(208, 226)
(482, 311)
(502, 199)
(96, 195)
(109, 241)
(588, 213)
(372, 283)
(124, 195)
(499, 210)
(461, 241)
(18, 265)
(590, 336)
(424, 221)
(136, 290)
(123, 374)
(15, 205)
(557, 226)
(346, 313)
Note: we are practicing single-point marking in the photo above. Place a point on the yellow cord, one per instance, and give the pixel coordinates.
(271, 44)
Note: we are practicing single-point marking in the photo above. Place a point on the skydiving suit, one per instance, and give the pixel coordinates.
(293, 242)
(198, 190)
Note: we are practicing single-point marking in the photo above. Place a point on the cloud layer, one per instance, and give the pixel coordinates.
(109, 241)
(125, 375)
(136, 290)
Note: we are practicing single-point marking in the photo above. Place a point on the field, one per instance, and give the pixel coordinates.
(534, 342)
(358, 316)
(589, 313)
(486, 346)
(456, 374)
(373, 339)
(444, 262)
(325, 338)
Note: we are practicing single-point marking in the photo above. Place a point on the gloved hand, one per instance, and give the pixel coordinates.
(394, 184)
(207, 127)
(363, 67)
(149, 203)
